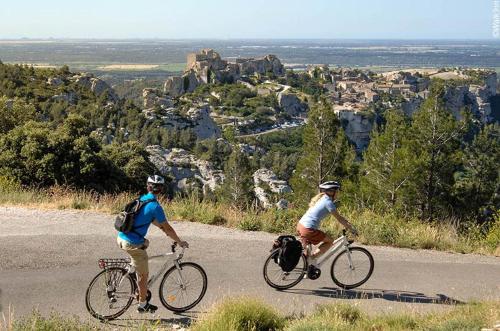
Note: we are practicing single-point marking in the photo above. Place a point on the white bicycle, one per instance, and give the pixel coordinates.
(113, 290)
(351, 268)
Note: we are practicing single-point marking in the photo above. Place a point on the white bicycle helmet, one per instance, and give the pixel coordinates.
(156, 180)
(329, 186)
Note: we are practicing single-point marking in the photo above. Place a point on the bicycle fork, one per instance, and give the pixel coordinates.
(349, 257)
(179, 274)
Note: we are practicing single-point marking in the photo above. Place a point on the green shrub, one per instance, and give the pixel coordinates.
(241, 314)
(329, 317)
(250, 223)
(493, 237)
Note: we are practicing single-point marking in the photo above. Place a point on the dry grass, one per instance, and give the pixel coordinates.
(375, 229)
(249, 314)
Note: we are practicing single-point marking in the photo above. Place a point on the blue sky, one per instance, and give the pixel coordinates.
(221, 19)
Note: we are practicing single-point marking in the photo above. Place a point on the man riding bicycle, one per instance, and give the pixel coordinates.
(135, 243)
(321, 206)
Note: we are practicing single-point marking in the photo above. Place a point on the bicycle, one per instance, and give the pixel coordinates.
(113, 290)
(349, 263)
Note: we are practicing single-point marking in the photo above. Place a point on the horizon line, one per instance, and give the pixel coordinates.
(240, 39)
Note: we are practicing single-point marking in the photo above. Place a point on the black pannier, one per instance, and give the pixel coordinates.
(290, 250)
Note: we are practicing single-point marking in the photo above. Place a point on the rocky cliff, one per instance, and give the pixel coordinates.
(357, 127)
(207, 67)
(269, 190)
(196, 118)
(188, 172)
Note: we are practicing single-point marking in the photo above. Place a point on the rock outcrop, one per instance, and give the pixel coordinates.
(197, 119)
(474, 97)
(151, 99)
(357, 127)
(208, 67)
(187, 171)
(269, 190)
(291, 104)
(96, 85)
(55, 81)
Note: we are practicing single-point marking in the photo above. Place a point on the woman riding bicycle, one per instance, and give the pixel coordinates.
(321, 206)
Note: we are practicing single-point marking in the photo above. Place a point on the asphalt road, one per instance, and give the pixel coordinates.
(47, 259)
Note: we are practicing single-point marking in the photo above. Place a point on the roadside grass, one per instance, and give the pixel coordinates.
(250, 314)
(374, 229)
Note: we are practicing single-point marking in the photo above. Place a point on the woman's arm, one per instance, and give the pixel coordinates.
(344, 222)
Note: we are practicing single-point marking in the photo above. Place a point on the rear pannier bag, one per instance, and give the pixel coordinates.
(290, 250)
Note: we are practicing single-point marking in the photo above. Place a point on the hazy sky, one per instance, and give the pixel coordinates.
(391, 19)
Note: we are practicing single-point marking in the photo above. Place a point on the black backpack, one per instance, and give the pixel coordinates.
(124, 222)
(290, 250)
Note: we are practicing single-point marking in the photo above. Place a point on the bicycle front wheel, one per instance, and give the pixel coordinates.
(279, 279)
(350, 274)
(182, 289)
(110, 294)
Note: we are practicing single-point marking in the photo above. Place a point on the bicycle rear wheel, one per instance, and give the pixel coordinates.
(279, 279)
(110, 293)
(349, 276)
(182, 289)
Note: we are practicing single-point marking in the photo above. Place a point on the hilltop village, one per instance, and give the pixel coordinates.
(356, 95)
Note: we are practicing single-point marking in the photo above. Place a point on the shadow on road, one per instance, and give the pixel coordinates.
(183, 319)
(390, 295)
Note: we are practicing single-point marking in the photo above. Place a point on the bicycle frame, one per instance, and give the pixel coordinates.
(165, 266)
(162, 270)
(338, 244)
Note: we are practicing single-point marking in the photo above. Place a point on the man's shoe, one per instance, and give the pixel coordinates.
(148, 308)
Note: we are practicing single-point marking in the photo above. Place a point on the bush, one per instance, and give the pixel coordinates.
(250, 223)
(241, 314)
(493, 237)
(329, 317)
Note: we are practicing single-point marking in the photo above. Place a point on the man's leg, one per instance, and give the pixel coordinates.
(142, 281)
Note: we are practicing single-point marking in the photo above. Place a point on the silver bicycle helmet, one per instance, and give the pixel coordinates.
(329, 186)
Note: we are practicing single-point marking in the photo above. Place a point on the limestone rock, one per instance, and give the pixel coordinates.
(151, 99)
(55, 81)
(357, 127)
(96, 85)
(204, 126)
(268, 187)
(250, 149)
(185, 169)
(291, 104)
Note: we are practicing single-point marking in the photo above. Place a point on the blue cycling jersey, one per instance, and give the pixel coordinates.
(149, 213)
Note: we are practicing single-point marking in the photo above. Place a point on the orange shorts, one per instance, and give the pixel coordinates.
(308, 235)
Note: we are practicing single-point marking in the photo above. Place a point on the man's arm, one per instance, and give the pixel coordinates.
(344, 221)
(169, 231)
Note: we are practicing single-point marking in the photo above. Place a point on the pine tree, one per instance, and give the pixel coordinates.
(238, 183)
(477, 186)
(386, 165)
(434, 142)
(326, 153)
